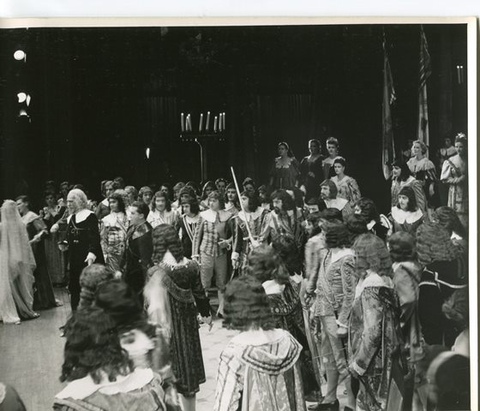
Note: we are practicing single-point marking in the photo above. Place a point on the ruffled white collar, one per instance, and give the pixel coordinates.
(372, 280)
(339, 253)
(81, 215)
(338, 203)
(409, 217)
(250, 216)
(211, 216)
(272, 287)
(113, 218)
(84, 387)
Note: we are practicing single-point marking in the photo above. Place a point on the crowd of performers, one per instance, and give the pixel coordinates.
(324, 290)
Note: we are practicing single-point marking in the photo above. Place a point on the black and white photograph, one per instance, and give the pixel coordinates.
(257, 215)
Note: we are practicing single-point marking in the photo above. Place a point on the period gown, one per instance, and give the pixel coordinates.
(186, 298)
(285, 175)
(454, 173)
(348, 189)
(44, 296)
(254, 374)
(156, 218)
(311, 182)
(374, 341)
(287, 312)
(113, 236)
(55, 258)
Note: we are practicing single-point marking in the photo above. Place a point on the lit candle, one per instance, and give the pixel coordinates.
(220, 122)
(223, 118)
(200, 126)
(215, 122)
(459, 78)
(182, 121)
(187, 126)
(207, 125)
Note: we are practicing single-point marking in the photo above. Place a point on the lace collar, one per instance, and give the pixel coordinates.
(84, 387)
(272, 287)
(81, 215)
(409, 217)
(338, 203)
(251, 216)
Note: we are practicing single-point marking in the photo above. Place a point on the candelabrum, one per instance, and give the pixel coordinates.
(208, 125)
(210, 128)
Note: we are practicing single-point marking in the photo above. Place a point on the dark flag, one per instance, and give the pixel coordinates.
(388, 146)
(425, 71)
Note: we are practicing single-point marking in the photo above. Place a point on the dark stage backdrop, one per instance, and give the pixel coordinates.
(101, 96)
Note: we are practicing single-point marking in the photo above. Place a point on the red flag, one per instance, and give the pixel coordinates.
(425, 71)
(388, 145)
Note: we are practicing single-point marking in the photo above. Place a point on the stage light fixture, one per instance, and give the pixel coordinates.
(29, 98)
(147, 153)
(20, 55)
(22, 97)
(23, 113)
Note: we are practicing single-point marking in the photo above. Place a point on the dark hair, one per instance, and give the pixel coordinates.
(405, 170)
(208, 184)
(24, 199)
(289, 151)
(187, 190)
(265, 264)
(332, 186)
(196, 188)
(119, 199)
(289, 254)
(90, 279)
(248, 181)
(165, 238)
(330, 214)
(120, 182)
(121, 302)
(215, 195)
(142, 208)
(246, 305)
(368, 209)
(372, 253)
(317, 142)
(49, 193)
(266, 192)
(161, 194)
(356, 225)
(402, 247)
(220, 180)
(340, 160)
(169, 189)
(447, 217)
(93, 347)
(193, 203)
(408, 192)
(253, 200)
(314, 219)
(288, 203)
(336, 235)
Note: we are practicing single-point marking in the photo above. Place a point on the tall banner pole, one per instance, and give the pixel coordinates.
(250, 236)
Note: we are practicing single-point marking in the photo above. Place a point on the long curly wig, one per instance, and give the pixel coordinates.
(90, 279)
(121, 302)
(120, 199)
(448, 218)
(93, 347)
(289, 254)
(253, 200)
(434, 244)
(368, 209)
(336, 235)
(165, 237)
(246, 305)
(372, 253)
(402, 247)
(265, 264)
(288, 203)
